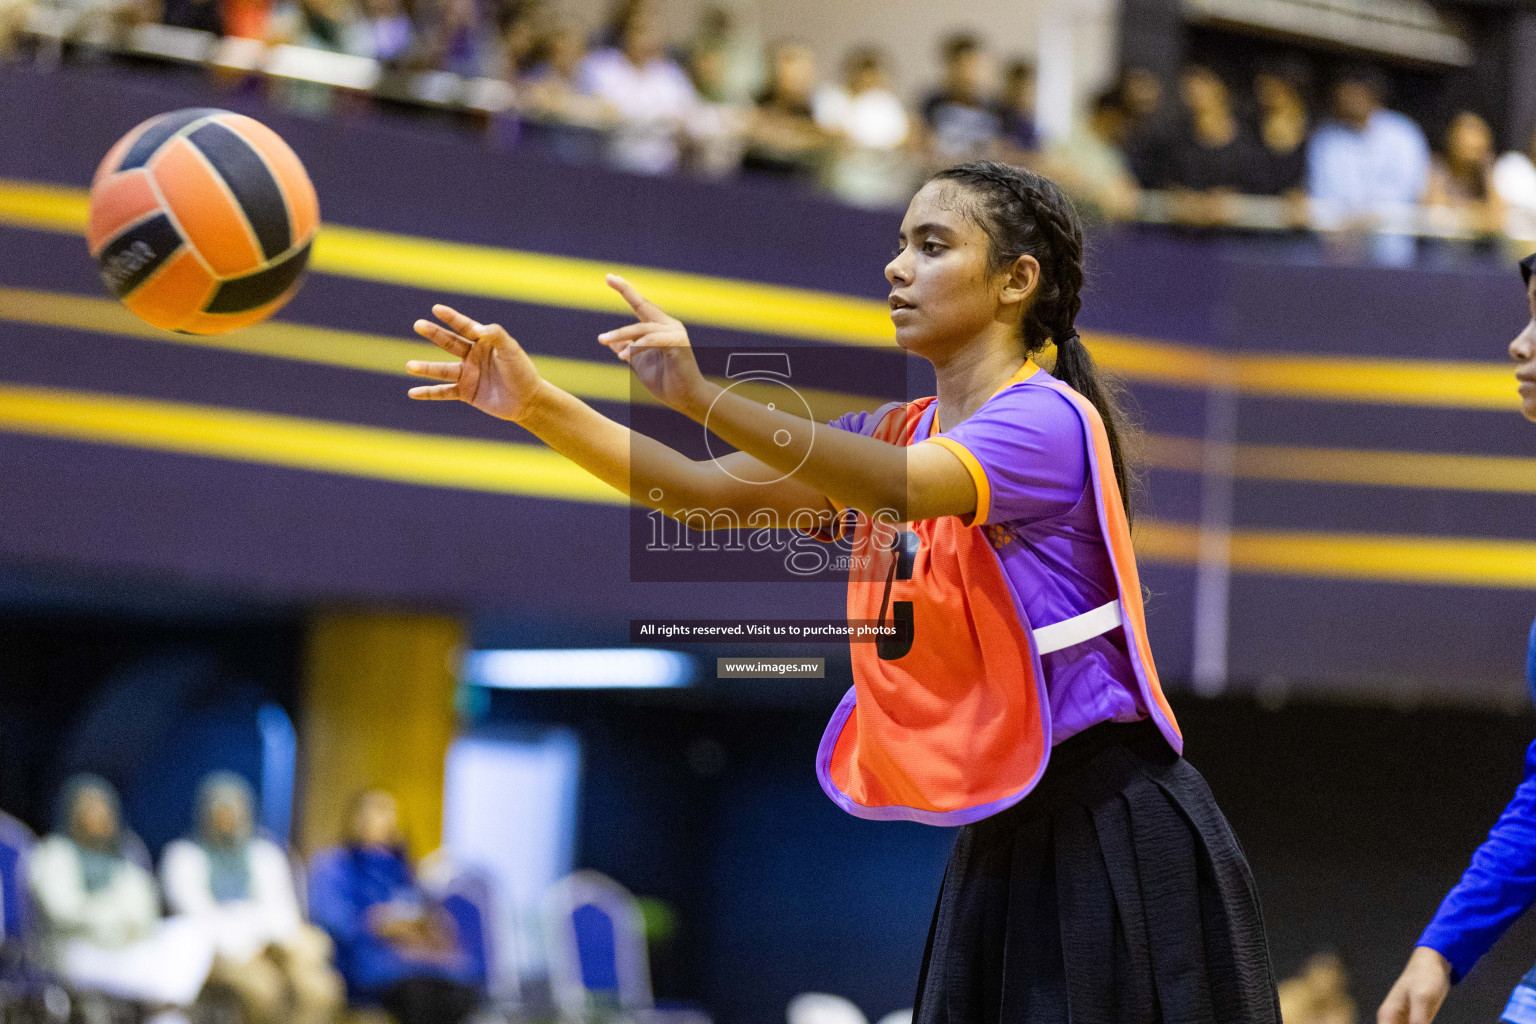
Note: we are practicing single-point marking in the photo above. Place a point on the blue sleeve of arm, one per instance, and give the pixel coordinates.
(1497, 888)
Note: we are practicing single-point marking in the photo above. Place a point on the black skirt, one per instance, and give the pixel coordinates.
(1115, 893)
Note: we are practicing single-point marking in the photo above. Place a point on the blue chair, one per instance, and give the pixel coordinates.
(467, 898)
(595, 942)
(16, 841)
(33, 993)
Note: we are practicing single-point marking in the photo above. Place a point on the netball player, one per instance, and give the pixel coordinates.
(1093, 877)
(1500, 883)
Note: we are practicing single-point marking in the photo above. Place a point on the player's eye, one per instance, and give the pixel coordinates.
(932, 248)
(896, 249)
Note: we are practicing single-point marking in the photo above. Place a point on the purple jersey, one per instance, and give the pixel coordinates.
(1026, 453)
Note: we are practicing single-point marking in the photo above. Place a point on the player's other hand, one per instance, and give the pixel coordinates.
(656, 348)
(1421, 988)
(494, 375)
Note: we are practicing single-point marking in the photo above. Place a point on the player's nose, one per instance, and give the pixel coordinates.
(1523, 348)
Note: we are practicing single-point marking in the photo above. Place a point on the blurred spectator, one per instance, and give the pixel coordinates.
(450, 37)
(1214, 157)
(1215, 151)
(386, 31)
(240, 887)
(651, 93)
(98, 23)
(393, 945)
(718, 126)
(100, 911)
(1090, 165)
(1514, 181)
(735, 60)
(319, 25)
(783, 137)
(963, 121)
(1017, 107)
(1283, 123)
(330, 25)
(550, 86)
(1151, 129)
(518, 47)
(872, 129)
(13, 18)
(247, 19)
(1319, 994)
(1369, 165)
(558, 117)
(203, 15)
(1461, 177)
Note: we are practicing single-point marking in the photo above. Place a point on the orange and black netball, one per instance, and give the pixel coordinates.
(201, 221)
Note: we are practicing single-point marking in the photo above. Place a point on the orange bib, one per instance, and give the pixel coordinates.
(949, 721)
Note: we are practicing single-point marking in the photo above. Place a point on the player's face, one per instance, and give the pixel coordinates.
(1523, 351)
(942, 288)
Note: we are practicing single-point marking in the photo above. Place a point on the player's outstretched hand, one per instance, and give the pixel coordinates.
(494, 375)
(1416, 996)
(656, 348)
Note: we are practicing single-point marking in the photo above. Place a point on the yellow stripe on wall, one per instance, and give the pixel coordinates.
(324, 346)
(532, 470)
(1417, 470)
(601, 382)
(609, 381)
(1380, 558)
(373, 453)
(570, 283)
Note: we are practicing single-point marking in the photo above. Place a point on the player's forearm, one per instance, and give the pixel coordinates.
(626, 460)
(861, 472)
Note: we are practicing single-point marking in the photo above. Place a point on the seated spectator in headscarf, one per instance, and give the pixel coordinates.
(394, 945)
(1017, 108)
(873, 131)
(100, 911)
(650, 91)
(783, 137)
(240, 886)
(1461, 176)
(963, 121)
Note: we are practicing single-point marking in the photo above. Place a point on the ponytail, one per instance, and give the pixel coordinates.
(1076, 369)
(1024, 213)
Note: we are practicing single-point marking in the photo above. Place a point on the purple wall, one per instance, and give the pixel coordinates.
(289, 536)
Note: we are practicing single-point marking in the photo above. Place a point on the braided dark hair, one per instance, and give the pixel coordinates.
(1025, 214)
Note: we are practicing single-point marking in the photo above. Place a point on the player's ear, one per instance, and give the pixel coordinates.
(1021, 278)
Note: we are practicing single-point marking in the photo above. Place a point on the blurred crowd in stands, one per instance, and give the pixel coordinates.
(243, 938)
(1282, 150)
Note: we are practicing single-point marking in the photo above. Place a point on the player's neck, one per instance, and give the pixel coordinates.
(973, 375)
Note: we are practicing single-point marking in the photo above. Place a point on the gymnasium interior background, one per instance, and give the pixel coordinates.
(242, 552)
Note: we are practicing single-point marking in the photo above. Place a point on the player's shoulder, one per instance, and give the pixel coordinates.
(1042, 397)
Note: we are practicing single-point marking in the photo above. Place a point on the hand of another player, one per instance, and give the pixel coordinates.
(494, 375)
(1416, 996)
(656, 348)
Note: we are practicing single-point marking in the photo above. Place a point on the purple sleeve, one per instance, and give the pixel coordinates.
(1026, 453)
